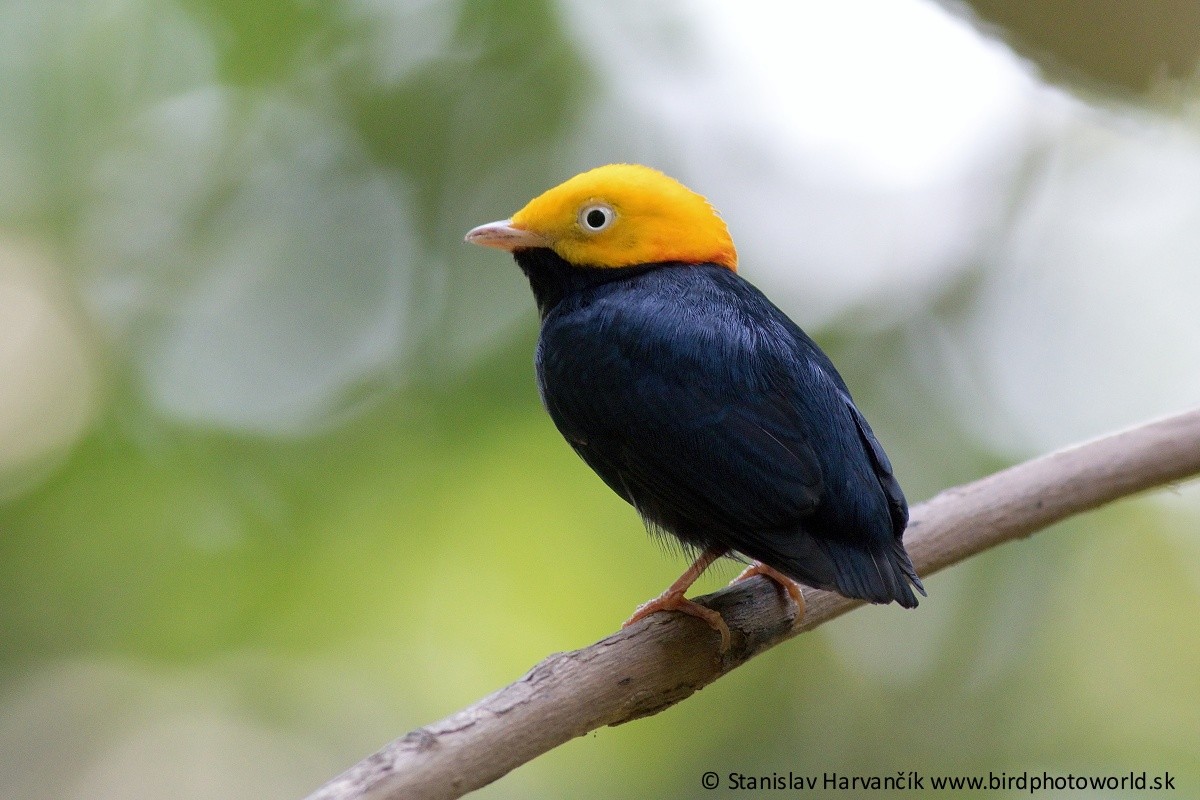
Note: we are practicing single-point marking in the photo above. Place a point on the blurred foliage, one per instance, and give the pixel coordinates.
(1122, 46)
(276, 482)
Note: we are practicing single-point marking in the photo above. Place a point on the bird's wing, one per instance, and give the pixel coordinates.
(897, 505)
(724, 439)
(739, 456)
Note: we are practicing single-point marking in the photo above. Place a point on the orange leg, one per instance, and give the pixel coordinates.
(784, 582)
(673, 600)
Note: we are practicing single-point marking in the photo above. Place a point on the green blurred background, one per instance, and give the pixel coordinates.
(275, 485)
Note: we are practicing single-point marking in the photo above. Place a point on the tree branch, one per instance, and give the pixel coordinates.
(661, 660)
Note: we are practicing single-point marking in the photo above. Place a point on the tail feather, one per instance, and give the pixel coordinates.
(880, 574)
(875, 576)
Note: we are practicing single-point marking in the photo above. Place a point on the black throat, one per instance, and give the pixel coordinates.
(552, 278)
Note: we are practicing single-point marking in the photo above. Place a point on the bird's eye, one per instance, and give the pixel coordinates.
(595, 218)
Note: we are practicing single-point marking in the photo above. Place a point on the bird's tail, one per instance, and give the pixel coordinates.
(878, 577)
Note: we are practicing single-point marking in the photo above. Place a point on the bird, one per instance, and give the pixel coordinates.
(696, 399)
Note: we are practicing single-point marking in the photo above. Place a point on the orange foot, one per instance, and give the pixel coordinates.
(673, 600)
(787, 584)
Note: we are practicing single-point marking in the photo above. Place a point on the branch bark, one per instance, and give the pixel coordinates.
(663, 659)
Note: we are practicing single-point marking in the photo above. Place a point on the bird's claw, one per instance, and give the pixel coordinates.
(790, 586)
(675, 601)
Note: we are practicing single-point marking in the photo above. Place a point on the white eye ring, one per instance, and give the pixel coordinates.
(596, 217)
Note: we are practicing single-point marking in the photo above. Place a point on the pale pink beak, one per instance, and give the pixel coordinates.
(503, 236)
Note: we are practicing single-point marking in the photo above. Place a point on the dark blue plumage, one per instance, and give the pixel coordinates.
(700, 403)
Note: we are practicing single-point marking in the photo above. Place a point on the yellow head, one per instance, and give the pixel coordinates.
(617, 216)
